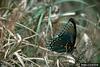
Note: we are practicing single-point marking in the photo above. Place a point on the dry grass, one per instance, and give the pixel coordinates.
(27, 25)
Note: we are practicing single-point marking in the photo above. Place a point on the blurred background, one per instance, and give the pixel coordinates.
(27, 25)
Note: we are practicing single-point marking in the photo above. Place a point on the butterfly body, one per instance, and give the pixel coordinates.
(65, 39)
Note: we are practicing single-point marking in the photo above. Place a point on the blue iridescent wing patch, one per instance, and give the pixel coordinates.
(65, 40)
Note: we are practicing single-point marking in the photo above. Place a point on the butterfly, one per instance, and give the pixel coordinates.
(64, 41)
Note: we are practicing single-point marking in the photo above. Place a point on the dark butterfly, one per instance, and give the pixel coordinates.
(65, 40)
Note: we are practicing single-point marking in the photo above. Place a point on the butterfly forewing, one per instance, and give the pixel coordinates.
(65, 39)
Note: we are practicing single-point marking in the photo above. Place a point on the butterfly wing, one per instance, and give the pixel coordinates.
(65, 38)
(72, 34)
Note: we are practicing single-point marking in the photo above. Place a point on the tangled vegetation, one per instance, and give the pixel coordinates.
(27, 25)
